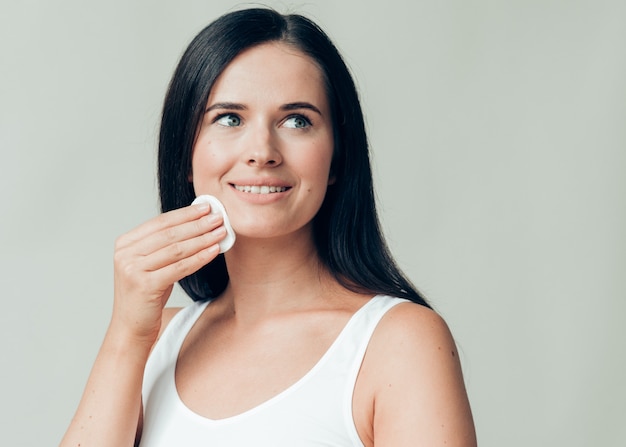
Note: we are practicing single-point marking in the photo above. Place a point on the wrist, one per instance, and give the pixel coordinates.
(123, 340)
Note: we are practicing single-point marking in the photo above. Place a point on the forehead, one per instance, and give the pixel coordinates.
(270, 71)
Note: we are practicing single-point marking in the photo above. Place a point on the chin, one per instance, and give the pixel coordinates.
(256, 230)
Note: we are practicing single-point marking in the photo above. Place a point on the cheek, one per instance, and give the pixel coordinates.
(205, 163)
(319, 163)
(194, 161)
(315, 168)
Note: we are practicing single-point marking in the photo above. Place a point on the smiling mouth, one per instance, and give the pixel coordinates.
(264, 189)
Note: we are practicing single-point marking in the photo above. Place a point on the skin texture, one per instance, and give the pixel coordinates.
(267, 124)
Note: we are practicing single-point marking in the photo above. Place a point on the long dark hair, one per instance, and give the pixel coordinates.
(346, 229)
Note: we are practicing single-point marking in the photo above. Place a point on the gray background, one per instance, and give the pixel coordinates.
(499, 145)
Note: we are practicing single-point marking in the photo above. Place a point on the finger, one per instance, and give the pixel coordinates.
(176, 271)
(161, 222)
(175, 235)
(178, 251)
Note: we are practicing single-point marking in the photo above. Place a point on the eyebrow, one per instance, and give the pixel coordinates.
(285, 107)
(300, 105)
(226, 105)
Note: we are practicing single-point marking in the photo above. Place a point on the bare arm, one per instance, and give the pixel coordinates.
(148, 261)
(420, 397)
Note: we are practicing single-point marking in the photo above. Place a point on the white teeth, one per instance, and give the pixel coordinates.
(260, 189)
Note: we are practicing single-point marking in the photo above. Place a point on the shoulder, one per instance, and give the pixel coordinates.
(414, 340)
(415, 380)
(416, 328)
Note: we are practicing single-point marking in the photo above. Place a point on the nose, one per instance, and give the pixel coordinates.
(263, 150)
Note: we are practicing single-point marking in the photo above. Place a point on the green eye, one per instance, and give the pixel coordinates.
(228, 120)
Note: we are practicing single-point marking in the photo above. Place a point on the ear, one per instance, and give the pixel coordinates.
(331, 179)
(190, 177)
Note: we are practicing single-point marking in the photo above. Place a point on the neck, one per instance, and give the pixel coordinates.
(269, 276)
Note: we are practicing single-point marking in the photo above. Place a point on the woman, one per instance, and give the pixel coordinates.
(304, 332)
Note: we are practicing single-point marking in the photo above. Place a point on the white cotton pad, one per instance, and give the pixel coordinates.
(218, 208)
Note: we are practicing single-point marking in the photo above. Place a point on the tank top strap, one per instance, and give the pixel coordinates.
(171, 340)
(181, 323)
(351, 347)
(361, 327)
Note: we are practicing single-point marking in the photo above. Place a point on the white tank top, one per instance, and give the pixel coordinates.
(315, 411)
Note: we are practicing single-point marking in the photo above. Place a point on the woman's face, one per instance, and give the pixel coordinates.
(265, 145)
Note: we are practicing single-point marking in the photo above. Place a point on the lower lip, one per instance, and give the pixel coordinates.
(260, 198)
